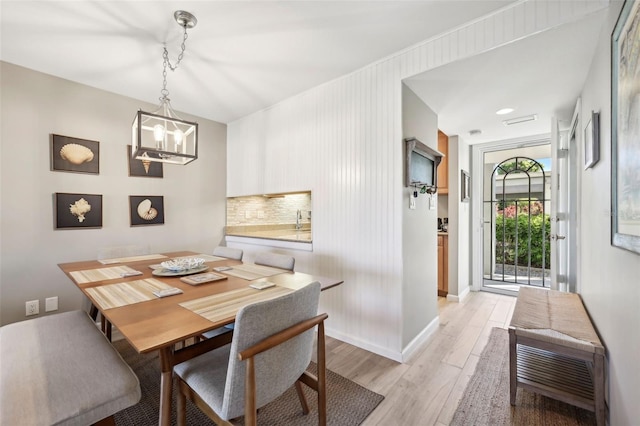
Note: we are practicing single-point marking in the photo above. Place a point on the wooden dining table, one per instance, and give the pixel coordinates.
(151, 324)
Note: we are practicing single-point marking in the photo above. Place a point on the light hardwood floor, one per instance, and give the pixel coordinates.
(426, 389)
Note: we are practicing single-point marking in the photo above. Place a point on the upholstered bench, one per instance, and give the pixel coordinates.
(60, 369)
(555, 351)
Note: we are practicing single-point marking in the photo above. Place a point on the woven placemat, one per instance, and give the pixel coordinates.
(249, 271)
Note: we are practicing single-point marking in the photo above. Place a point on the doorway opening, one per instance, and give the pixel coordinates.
(516, 220)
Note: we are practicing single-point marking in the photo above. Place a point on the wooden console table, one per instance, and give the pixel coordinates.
(555, 351)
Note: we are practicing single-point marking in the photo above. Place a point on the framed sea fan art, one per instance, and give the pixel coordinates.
(74, 155)
(143, 168)
(146, 210)
(77, 211)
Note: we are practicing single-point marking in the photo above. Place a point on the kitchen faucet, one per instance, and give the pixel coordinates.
(298, 219)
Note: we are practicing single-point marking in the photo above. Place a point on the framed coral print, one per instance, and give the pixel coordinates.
(146, 210)
(74, 155)
(76, 211)
(625, 129)
(592, 141)
(143, 168)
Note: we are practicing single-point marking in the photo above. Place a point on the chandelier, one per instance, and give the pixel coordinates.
(161, 135)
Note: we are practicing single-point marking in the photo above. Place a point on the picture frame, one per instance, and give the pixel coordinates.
(592, 141)
(141, 168)
(146, 210)
(625, 129)
(77, 211)
(465, 186)
(74, 155)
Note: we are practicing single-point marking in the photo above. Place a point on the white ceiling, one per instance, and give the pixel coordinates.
(244, 56)
(241, 57)
(541, 75)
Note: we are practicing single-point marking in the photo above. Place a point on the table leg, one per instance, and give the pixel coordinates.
(166, 385)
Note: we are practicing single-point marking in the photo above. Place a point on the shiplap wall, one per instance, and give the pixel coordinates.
(343, 141)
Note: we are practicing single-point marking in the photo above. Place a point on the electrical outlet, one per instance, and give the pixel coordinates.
(32, 307)
(51, 304)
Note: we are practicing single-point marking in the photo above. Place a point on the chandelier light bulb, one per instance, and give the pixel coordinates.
(158, 132)
(158, 135)
(177, 137)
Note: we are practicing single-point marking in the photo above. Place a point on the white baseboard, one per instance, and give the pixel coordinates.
(392, 355)
(460, 297)
(406, 353)
(420, 339)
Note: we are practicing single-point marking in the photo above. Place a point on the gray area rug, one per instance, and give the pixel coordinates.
(348, 403)
(486, 399)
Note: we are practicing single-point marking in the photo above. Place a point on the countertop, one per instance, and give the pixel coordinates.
(284, 234)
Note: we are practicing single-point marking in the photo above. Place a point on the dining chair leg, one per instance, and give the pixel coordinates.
(322, 390)
(301, 397)
(250, 415)
(181, 408)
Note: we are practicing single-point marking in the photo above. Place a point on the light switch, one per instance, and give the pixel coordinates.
(51, 304)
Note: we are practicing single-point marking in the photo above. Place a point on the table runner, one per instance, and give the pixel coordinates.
(132, 258)
(225, 305)
(122, 294)
(100, 274)
(250, 271)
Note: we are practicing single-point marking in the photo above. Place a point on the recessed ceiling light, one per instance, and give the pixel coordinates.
(475, 132)
(518, 120)
(504, 111)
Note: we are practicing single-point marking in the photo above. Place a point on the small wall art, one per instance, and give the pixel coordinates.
(75, 211)
(74, 155)
(143, 168)
(465, 186)
(146, 210)
(592, 141)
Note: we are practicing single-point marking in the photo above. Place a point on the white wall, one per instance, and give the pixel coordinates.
(34, 105)
(419, 230)
(609, 283)
(459, 220)
(343, 141)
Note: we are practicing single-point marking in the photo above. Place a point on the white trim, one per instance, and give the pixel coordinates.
(378, 350)
(460, 297)
(477, 169)
(420, 339)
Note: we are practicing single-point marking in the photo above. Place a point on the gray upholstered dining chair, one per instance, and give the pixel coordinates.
(270, 351)
(228, 252)
(281, 261)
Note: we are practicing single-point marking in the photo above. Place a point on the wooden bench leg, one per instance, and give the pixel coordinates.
(598, 389)
(513, 366)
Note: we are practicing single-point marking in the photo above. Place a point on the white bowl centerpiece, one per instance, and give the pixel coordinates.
(184, 264)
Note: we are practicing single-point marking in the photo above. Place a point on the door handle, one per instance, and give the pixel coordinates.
(557, 237)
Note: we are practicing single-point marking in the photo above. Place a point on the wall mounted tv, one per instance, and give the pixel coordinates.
(421, 165)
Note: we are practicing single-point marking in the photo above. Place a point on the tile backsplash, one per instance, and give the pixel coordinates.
(268, 209)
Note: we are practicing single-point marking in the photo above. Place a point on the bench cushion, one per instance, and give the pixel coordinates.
(59, 369)
(555, 317)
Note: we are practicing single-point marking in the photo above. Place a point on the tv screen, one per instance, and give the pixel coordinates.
(421, 169)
